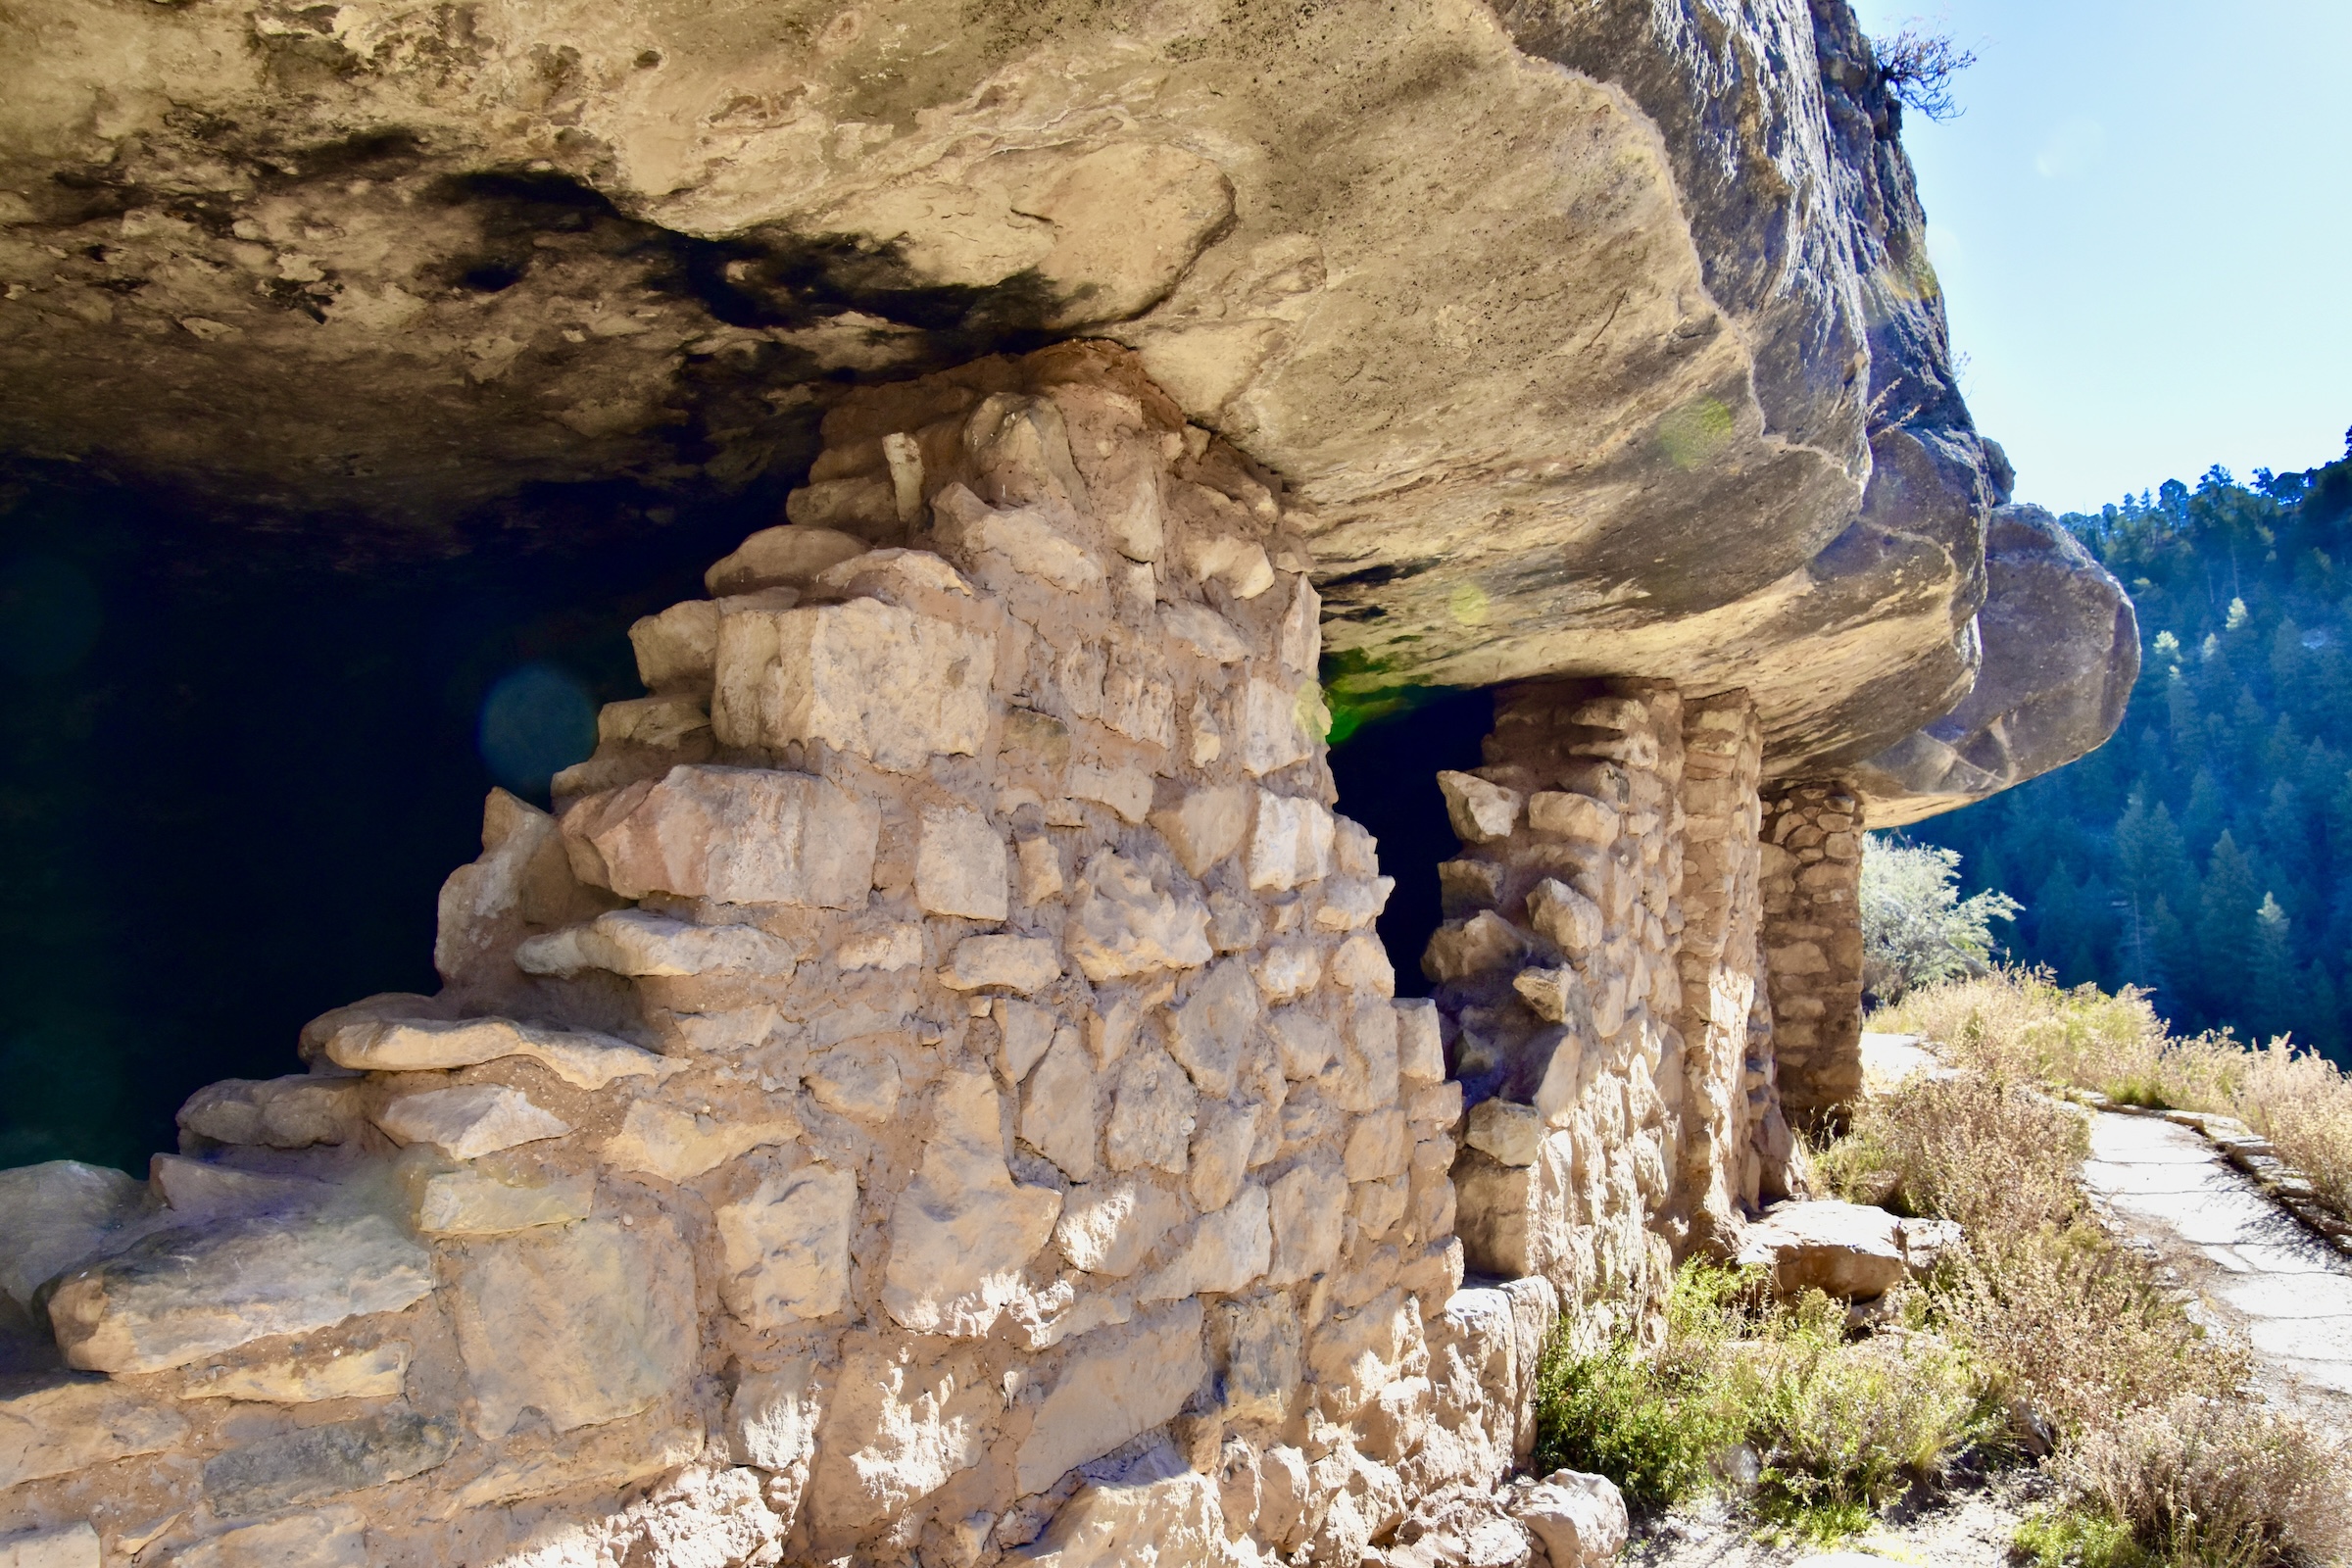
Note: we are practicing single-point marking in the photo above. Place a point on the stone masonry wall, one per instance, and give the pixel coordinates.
(932, 1093)
(1811, 894)
(1557, 975)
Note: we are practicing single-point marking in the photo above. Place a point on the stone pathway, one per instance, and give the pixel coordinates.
(2255, 1271)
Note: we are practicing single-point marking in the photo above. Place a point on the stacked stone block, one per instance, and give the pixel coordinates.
(1558, 977)
(1811, 894)
(931, 1092)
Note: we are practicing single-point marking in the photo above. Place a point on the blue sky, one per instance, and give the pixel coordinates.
(2144, 225)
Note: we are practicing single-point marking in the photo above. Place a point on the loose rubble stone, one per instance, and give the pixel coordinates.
(1115, 1385)
(736, 835)
(1579, 1518)
(55, 1425)
(181, 1295)
(786, 1248)
(963, 1230)
(468, 1121)
(319, 1462)
(584, 1324)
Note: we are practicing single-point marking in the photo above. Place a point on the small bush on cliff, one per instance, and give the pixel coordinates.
(1836, 1430)
(1918, 67)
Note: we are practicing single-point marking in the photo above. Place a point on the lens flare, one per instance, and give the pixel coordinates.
(536, 721)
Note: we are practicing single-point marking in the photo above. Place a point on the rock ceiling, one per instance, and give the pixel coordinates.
(1585, 337)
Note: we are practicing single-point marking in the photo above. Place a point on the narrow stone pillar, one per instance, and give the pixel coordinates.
(1735, 1145)
(1812, 885)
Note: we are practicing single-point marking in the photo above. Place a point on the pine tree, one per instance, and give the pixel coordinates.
(2225, 926)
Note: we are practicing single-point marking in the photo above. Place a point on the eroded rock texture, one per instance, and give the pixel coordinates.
(1589, 339)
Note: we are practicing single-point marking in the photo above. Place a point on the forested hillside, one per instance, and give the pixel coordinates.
(2206, 851)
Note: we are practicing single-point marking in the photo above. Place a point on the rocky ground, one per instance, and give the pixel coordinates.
(1967, 1529)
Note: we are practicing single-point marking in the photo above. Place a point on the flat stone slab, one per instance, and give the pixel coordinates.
(2259, 1272)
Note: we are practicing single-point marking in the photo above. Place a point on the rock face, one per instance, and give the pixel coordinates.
(2061, 653)
(1652, 380)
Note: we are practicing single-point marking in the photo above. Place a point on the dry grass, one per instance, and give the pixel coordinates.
(2016, 1026)
(2167, 1462)
(2218, 1484)
(2070, 1327)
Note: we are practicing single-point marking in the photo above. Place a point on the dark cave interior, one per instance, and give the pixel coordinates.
(241, 760)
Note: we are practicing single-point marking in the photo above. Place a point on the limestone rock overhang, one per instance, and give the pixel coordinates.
(1586, 337)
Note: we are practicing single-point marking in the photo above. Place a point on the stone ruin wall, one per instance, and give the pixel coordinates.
(1598, 978)
(1812, 902)
(933, 1092)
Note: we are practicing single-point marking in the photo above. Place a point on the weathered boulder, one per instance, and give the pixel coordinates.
(1842, 1249)
(1578, 1518)
(2061, 653)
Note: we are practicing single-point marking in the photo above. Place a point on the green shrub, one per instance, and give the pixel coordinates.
(1839, 1430)
(1652, 1425)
